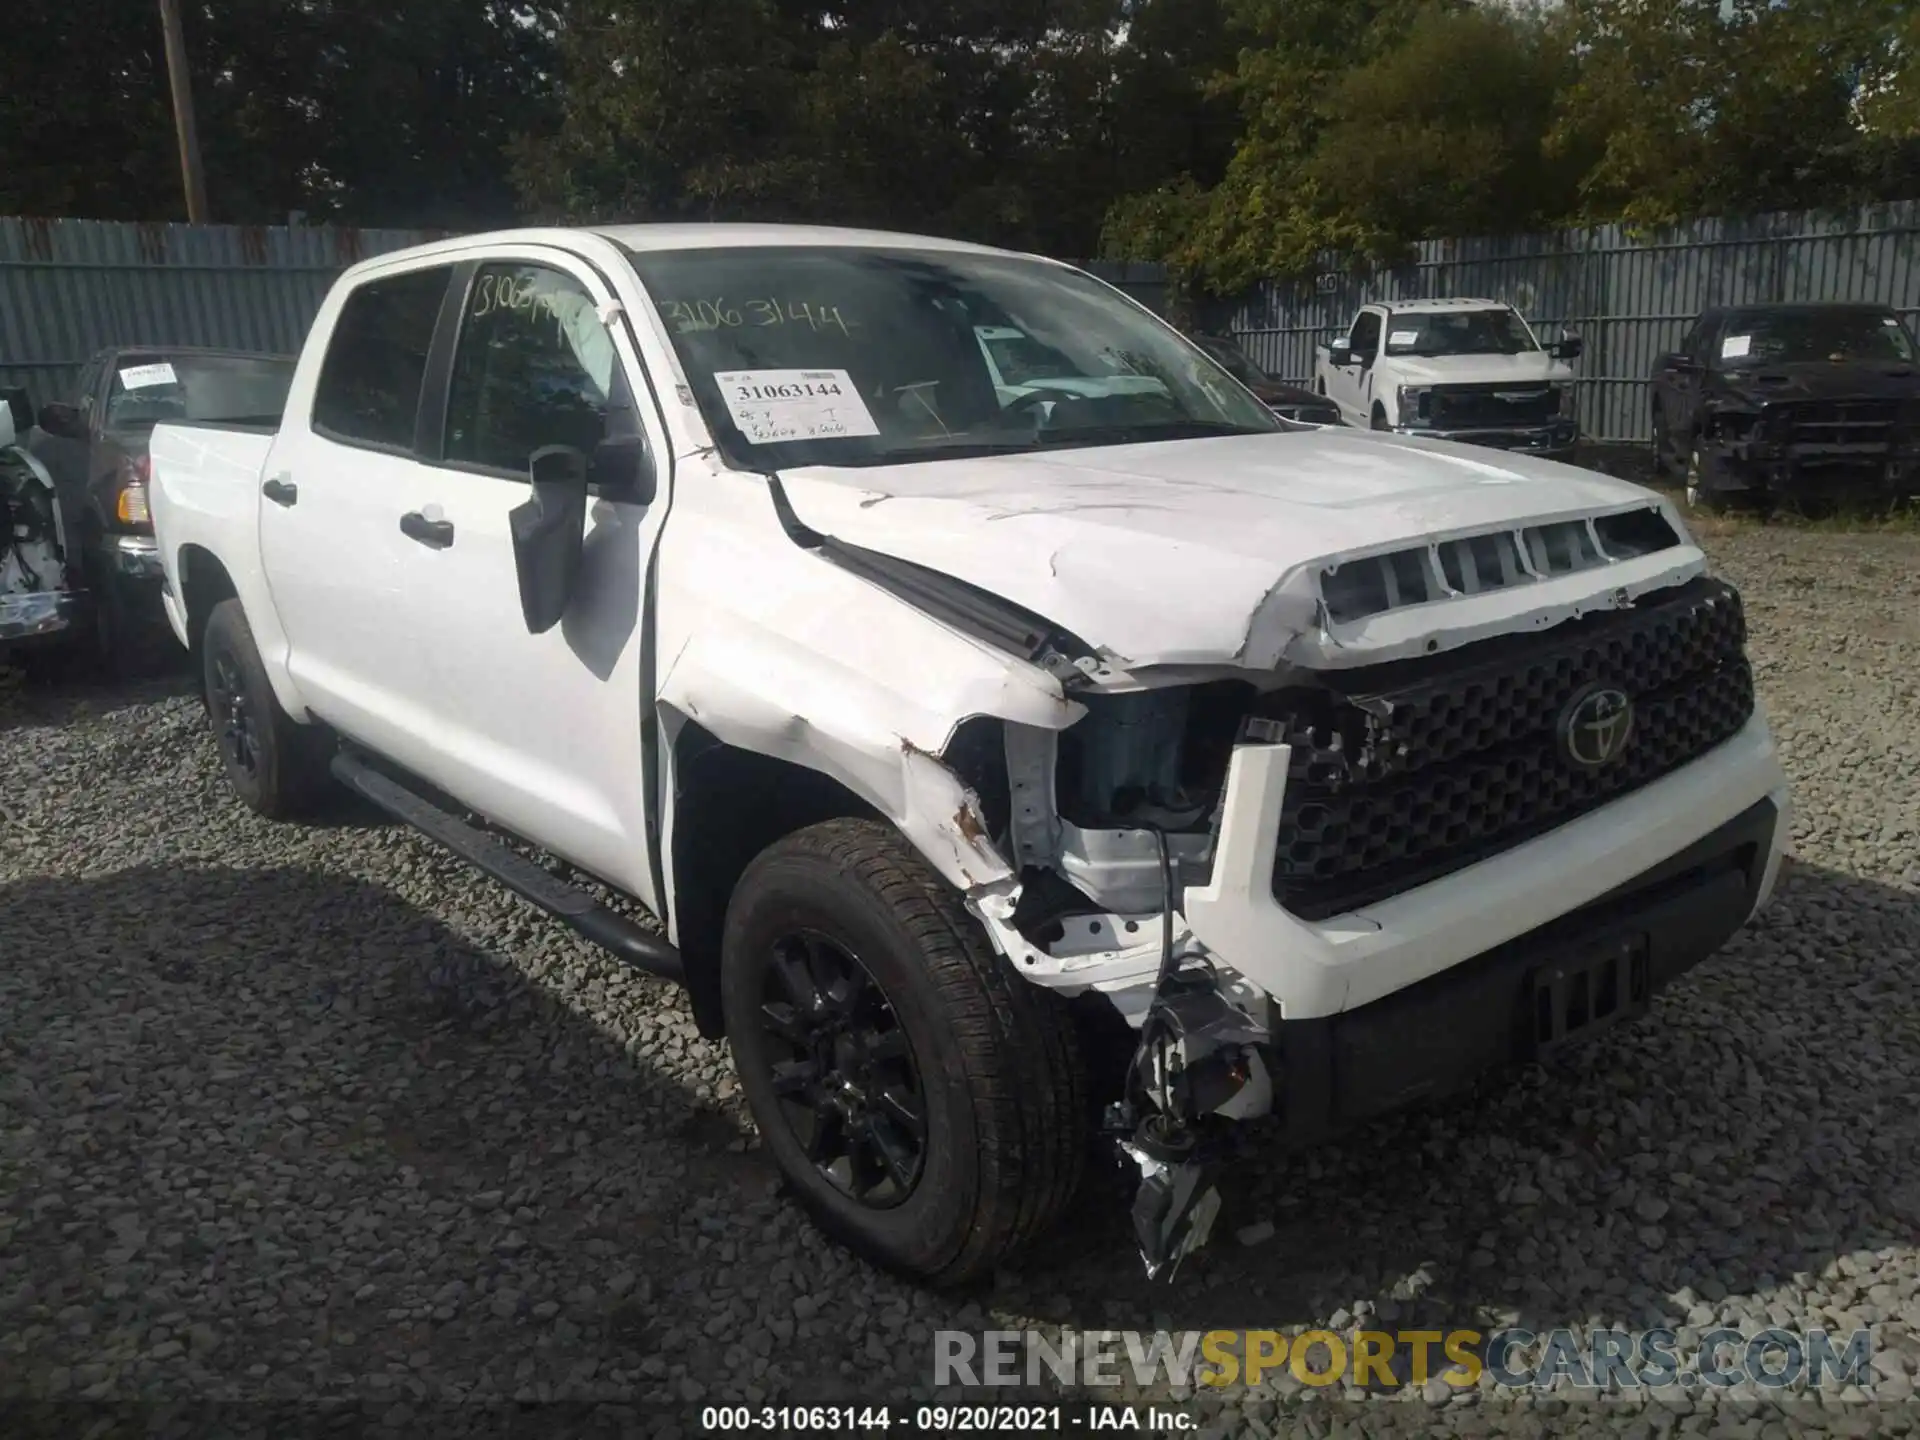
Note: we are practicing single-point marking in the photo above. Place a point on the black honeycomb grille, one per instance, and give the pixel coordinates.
(1413, 771)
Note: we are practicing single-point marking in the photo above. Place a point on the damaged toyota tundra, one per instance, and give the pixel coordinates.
(1011, 775)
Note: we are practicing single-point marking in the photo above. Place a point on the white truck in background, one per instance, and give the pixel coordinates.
(1003, 771)
(1465, 370)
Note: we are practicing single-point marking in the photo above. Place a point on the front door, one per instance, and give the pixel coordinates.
(541, 733)
(1350, 386)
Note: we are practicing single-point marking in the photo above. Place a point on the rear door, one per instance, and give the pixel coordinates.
(346, 583)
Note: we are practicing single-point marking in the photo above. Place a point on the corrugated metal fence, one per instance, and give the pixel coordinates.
(1631, 299)
(70, 287)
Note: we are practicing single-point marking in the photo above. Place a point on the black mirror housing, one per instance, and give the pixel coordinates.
(62, 420)
(1569, 347)
(548, 535)
(622, 469)
(1341, 352)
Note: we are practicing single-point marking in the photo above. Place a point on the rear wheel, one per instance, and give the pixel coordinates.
(928, 1107)
(275, 765)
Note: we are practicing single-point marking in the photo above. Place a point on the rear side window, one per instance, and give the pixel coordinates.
(369, 387)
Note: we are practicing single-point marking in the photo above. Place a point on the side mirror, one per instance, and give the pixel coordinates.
(1340, 352)
(548, 534)
(63, 420)
(622, 466)
(1679, 362)
(1568, 347)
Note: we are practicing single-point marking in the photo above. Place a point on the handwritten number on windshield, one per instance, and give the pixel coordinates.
(692, 316)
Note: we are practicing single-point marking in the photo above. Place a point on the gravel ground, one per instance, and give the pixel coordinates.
(313, 1112)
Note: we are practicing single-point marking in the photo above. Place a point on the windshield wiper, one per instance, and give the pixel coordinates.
(1137, 432)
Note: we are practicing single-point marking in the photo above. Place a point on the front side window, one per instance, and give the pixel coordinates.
(1459, 332)
(144, 390)
(369, 389)
(1366, 333)
(1836, 335)
(855, 356)
(534, 366)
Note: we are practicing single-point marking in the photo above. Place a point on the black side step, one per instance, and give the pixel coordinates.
(606, 928)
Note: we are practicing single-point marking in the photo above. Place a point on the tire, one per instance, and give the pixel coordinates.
(1379, 419)
(275, 765)
(993, 1065)
(1703, 502)
(1659, 466)
(123, 647)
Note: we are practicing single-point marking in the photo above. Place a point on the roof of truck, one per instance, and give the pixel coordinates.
(1420, 307)
(682, 236)
(670, 236)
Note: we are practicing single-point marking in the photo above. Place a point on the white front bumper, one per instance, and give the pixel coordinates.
(1316, 968)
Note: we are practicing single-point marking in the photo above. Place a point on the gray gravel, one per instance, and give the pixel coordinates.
(313, 1112)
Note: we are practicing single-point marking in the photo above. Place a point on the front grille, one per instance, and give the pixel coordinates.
(1407, 772)
(1826, 423)
(1458, 407)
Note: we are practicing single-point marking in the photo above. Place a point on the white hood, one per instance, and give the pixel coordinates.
(1533, 365)
(1176, 553)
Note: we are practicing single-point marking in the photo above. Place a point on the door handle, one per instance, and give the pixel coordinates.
(281, 492)
(436, 533)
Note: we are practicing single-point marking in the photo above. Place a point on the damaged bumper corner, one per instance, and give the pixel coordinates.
(40, 615)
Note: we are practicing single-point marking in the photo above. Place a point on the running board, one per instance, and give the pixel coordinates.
(613, 932)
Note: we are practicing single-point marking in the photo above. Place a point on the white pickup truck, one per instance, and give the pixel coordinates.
(1465, 370)
(1002, 772)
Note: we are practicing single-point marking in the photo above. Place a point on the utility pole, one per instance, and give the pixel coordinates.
(182, 85)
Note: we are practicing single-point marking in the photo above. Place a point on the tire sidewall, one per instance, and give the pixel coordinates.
(785, 892)
(228, 634)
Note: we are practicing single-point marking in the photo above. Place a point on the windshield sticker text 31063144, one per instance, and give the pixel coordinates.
(689, 316)
(775, 406)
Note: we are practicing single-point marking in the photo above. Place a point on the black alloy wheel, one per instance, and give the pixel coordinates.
(843, 1070)
(233, 716)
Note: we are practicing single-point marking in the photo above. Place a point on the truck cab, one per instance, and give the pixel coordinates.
(1000, 773)
(1470, 371)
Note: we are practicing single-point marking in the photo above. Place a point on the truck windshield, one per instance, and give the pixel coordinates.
(149, 389)
(842, 355)
(1786, 336)
(1458, 332)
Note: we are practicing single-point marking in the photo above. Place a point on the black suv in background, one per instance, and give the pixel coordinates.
(94, 446)
(1802, 405)
(1290, 402)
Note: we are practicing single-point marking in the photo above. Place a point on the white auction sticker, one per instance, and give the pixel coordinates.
(1735, 346)
(1403, 337)
(773, 406)
(145, 377)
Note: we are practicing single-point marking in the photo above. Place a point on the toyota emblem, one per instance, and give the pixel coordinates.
(1595, 727)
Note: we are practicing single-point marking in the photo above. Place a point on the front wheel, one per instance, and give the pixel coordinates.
(277, 766)
(928, 1107)
(1379, 421)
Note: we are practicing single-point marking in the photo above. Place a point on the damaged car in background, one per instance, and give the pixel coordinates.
(39, 606)
(1806, 406)
(1009, 768)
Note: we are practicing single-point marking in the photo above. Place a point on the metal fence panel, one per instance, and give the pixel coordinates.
(1630, 298)
(71, 287)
